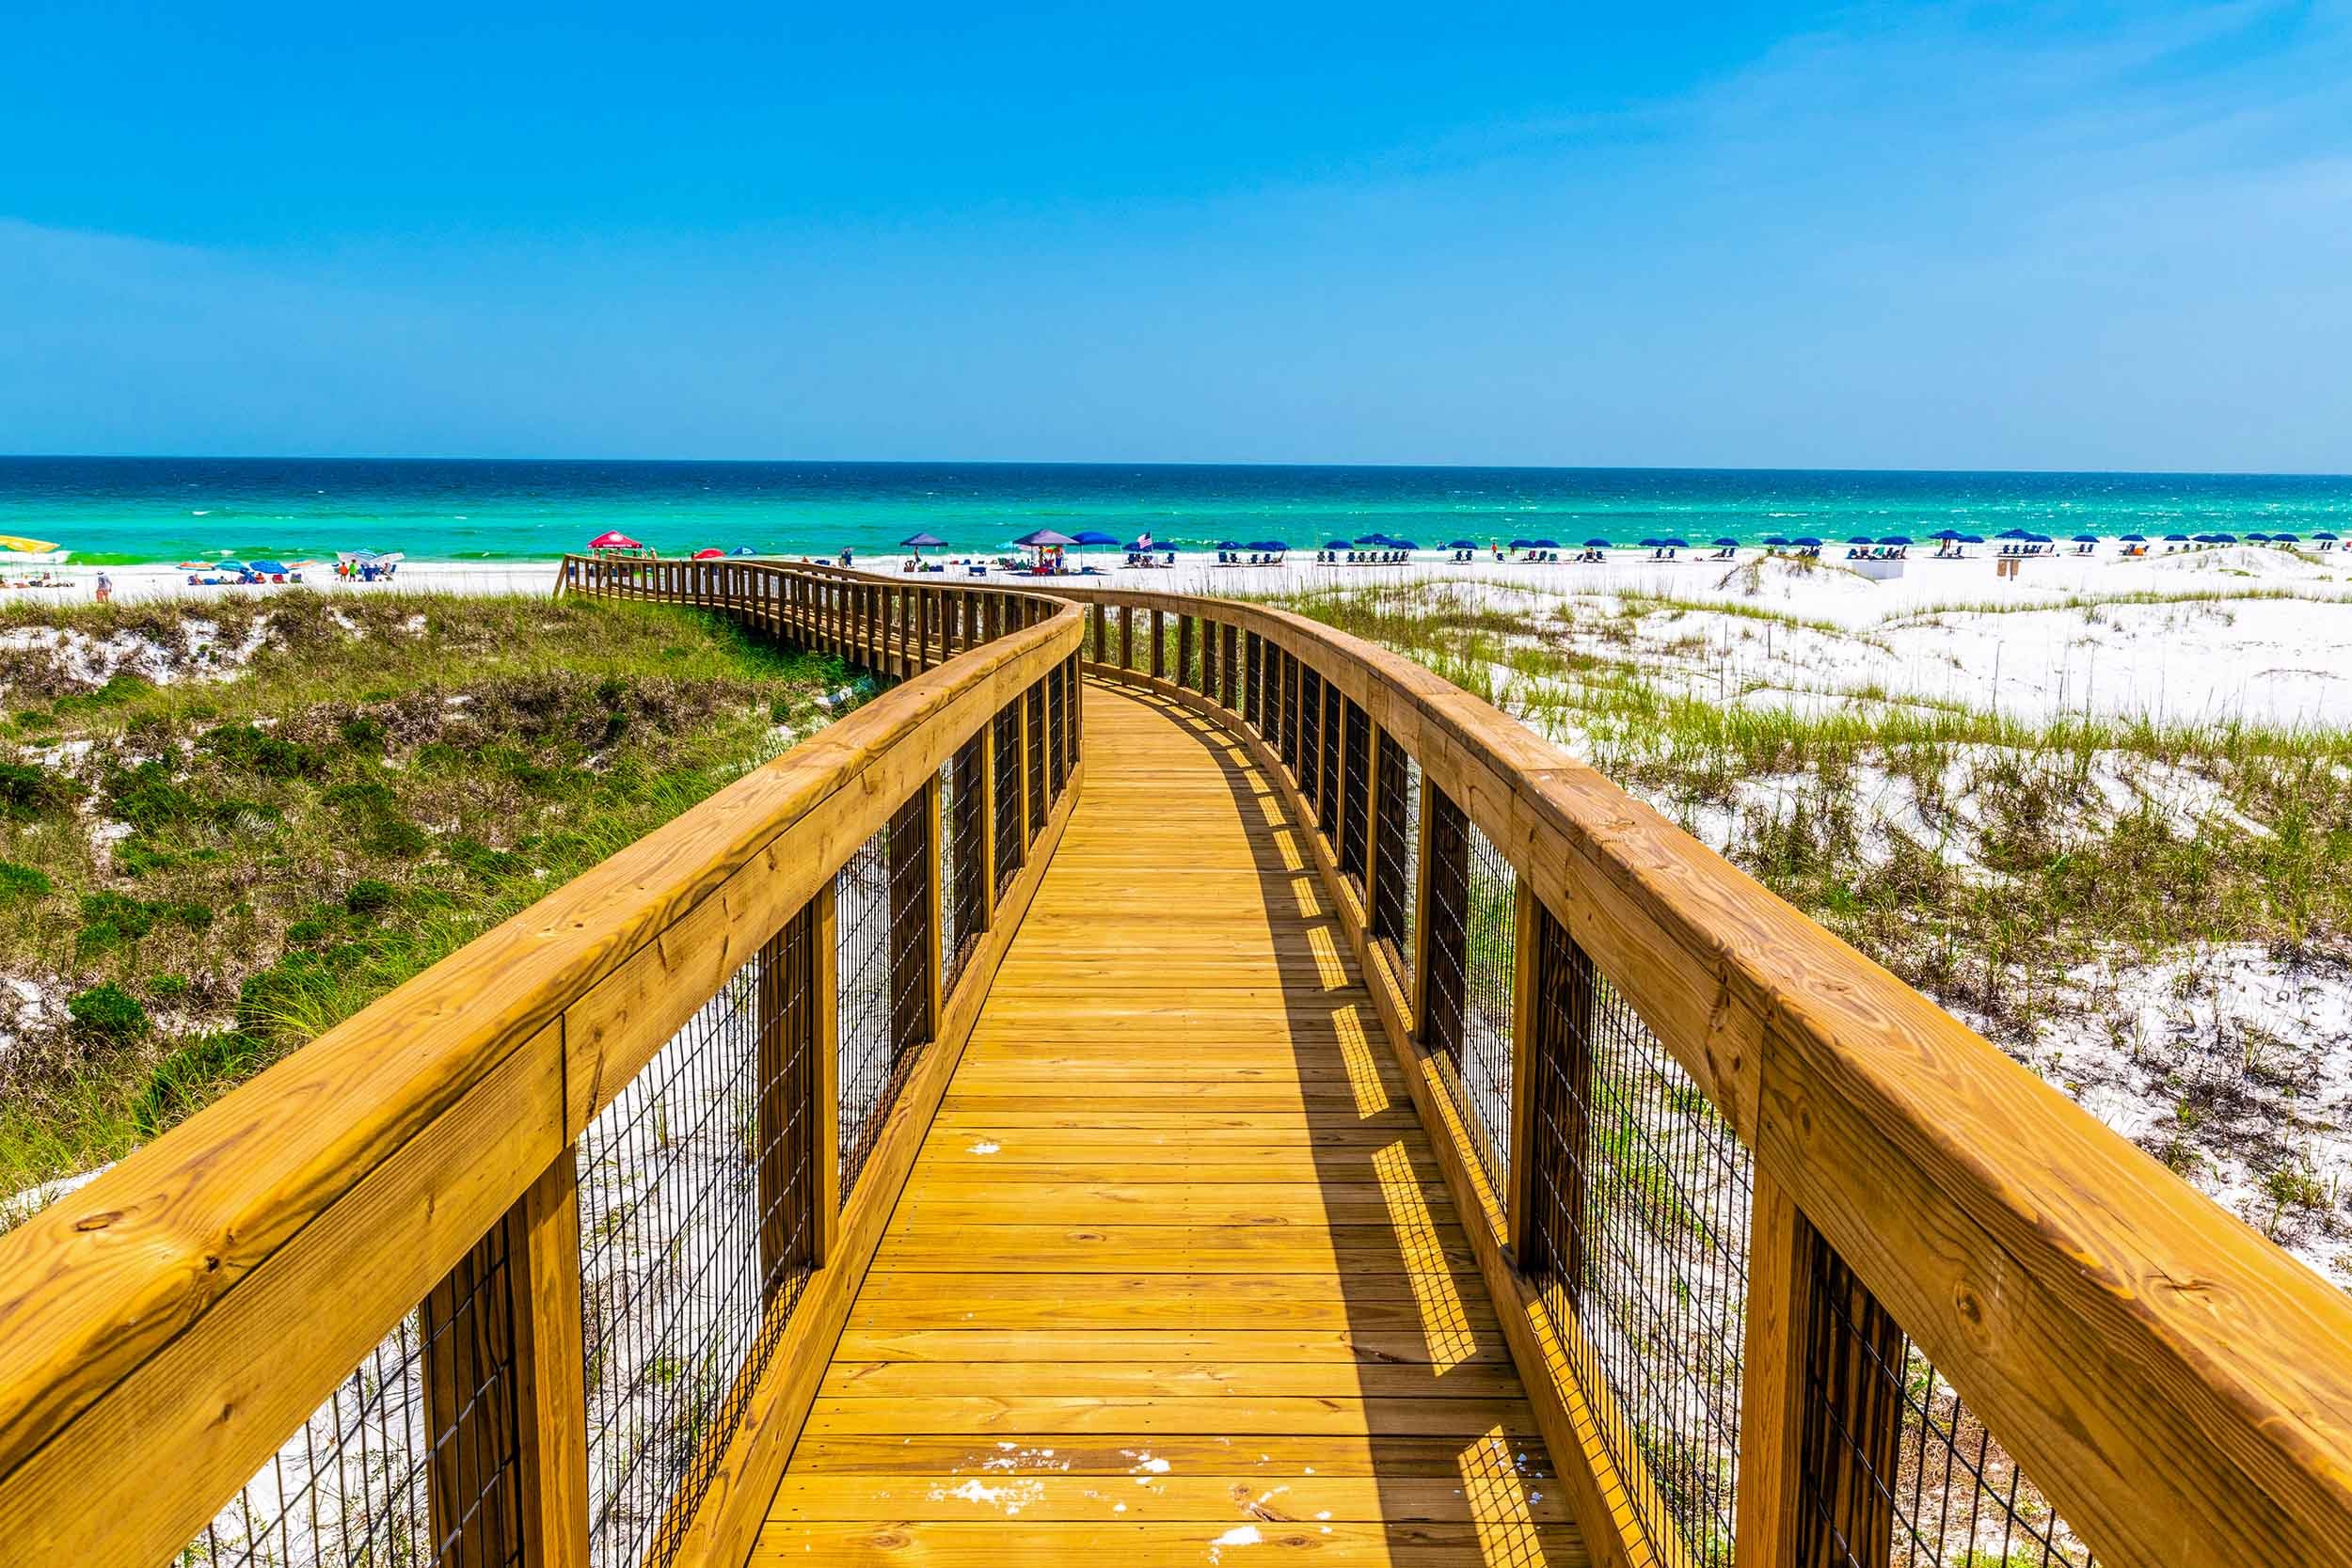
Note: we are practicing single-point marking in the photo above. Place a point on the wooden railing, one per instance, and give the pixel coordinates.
(1799, 1268)
(534, 1260)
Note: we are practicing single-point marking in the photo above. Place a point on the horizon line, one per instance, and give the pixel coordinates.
(1163, 463)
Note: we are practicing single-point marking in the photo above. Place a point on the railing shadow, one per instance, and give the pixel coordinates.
(1453, 1450)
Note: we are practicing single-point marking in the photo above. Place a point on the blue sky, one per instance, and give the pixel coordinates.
(2014, 236)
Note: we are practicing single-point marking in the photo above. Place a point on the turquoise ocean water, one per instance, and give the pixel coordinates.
(127, 510)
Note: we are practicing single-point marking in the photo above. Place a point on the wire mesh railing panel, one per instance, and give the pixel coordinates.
(963, 880)
(1473, 895)
(1074, 731)
(1355, 790)
(1056, 729)
(911, 937)
(1288, 723)
(1396, 869)
(412, 1459)
(1637, 1231)
(1893, 1468)
(1005, 745)
(696, 1186)
(863, 1001)
(1329, 725)
(1034, 699)
(1309, 731)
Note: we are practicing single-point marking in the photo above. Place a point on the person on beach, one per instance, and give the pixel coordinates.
(105, 588)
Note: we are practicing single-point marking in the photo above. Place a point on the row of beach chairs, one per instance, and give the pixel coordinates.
(1234, 558)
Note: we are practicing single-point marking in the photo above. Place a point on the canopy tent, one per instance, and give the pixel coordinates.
(613, 539)
(1048, 546)
(923, 541)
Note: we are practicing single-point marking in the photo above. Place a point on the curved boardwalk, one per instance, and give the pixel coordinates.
(1175, 1277)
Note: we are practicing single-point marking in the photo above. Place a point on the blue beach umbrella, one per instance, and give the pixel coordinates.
(2286, 539)
(1775, 539)
(1946, 534)
(269, 566)
(2135, 539)
(1972, 538)
(2259, 538)
(1806, 541)
(1859, 539)
(2013, 533)
(1404, 544)
(1896, 539)
(1676, 544)
(1597, 544)
(1649, 544)
(1522, 544)
(742, 550)
(2330, 537)
(1095, 536)
(2085, 539)
(1546, 543)
(1727, 543)
(1229, 543)
(1277, 546)
(2225, 538)
(2176, 539)
(1338, 544)
(1462, 544)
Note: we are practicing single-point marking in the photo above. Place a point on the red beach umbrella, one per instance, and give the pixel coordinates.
(613, 539)
(709, 555)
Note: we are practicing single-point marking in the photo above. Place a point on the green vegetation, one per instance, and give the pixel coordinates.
(284, 808)
(1976, 854)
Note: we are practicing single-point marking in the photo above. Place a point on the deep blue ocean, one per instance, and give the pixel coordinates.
(125, 510)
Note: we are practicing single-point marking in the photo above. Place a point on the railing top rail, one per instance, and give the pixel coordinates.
(108, 1277)
(2157, 1363)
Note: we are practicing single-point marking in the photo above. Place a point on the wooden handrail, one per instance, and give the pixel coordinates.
(2178, 1386)
(175, 1318)
(2180, 1389)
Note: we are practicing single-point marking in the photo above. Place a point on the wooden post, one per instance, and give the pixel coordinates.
(1183, 650)
(1527, 943)
(910, 884)
(507, 1478)
(550, 1385)
(1100, 613)
(1021, 771)
(825, 1033)
(1821, 1406)
(986, 785)
(1126, 636)
(1422, 888)
(935, 896)
(1159, 645)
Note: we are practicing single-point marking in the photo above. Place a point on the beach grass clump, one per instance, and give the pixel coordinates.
(225, 828)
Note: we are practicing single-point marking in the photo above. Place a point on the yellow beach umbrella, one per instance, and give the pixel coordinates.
(30, 547)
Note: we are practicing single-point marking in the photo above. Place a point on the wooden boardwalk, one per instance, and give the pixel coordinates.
(1175, 1277)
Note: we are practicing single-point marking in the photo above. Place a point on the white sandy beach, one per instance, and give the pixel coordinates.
(2254, 634)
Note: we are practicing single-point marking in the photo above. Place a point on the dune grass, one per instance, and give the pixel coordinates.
(223, 830)
(1976, 853)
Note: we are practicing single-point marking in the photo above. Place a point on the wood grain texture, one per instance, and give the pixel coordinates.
(1081, 1257)
(2092, 1309)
